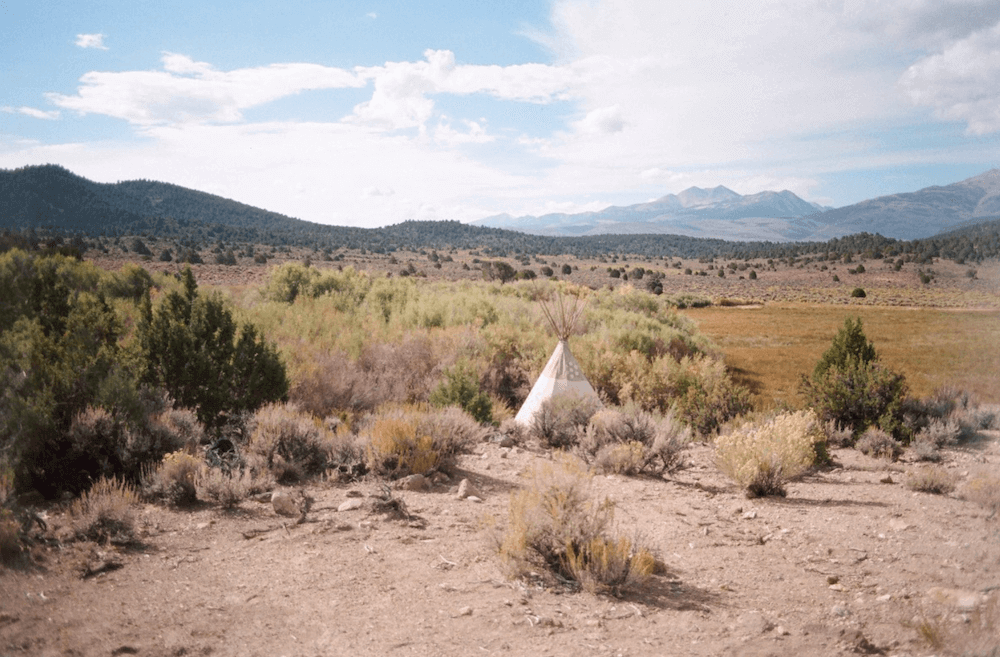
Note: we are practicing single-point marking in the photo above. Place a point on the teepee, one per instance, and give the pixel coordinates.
(562, 374)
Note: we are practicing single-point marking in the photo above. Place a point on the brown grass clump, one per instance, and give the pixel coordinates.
(763, 456)
(556, 531)
(106, 513)
(931, 479)
(983, 488)
(396, 448)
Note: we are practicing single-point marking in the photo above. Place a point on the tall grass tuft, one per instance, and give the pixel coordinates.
(106, 513)
(555, 529)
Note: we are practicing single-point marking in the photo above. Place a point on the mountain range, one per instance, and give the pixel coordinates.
(52, 196)
(721, 213)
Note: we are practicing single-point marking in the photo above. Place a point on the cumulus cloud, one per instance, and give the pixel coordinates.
(91, 41)
(189, 91)
(34, 113)
(961, 83)
(474, 133)
(400, 99)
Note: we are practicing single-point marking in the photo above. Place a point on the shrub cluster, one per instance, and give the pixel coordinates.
(629, 441)
(878, 444)
(560, 421)
(931, 479)
(762, 456)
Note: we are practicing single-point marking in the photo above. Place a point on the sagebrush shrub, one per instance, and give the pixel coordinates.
(105, 513)
(173, 480)
(763, 456)
(560, 421)
(931, 479)
(10, 536)
(630, 440)
(292, 443)
(557, 530)
(227, 489)
(878, 444)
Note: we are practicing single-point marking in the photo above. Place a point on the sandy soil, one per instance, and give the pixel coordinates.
(851, 562)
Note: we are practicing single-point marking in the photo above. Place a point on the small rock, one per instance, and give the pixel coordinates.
(413, 482)
(781, 631)
(886, 480)
(884, 598)
(840, 610)
(755, 623)
(837, 587)
(284, 504)
(350, 505)
(898, 525)
(466, 489)
(507, 441)
(749, 515)
(204, 525)
(440, 478)
(473, 498)
(465, 611)
(503, 453)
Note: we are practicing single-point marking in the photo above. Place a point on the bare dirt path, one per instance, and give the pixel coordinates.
(851, 562)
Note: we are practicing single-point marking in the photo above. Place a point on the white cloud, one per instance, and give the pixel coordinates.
(603, 120)
(475, 133)
(34, 113)
(91, 41)
(372, 15)
(189, 91)
(961, 83)
(400, 99)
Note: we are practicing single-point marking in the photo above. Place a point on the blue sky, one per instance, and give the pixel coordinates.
(371, 113)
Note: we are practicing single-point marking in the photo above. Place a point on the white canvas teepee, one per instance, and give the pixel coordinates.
(562, 374)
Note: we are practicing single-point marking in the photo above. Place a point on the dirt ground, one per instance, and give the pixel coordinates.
(850, 562)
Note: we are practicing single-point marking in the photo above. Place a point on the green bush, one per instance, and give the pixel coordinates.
(850, 387)
(192, 346)
(461, 388)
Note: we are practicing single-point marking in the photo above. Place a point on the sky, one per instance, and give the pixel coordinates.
(374, 112)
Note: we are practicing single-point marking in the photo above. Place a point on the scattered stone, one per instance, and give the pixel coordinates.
(350, 505)
(886, 480)
(832, 579)
(898, 525)
(439, 478)
(781, 631)
(837, 587)
(755, 623)
(204, 525)
(840, 610)
(503, 453)
(749, 515)
(507, 441)
(465, 611)
(466, 489)
(884, 598)
(473, 498)
(415, 482)
(960, 599)
(284, 504)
